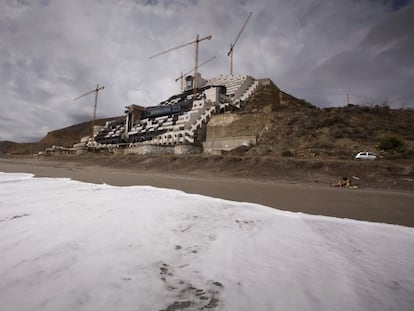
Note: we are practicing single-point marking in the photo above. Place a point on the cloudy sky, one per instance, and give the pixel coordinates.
(52, 51)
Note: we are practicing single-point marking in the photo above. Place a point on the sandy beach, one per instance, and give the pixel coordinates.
(385, 206)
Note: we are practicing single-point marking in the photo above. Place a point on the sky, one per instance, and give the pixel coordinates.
(73, 246)
(52, 51)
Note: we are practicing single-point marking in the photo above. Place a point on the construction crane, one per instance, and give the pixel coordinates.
(96, 90)
(196, 42)
(183, 75)
(230, 53)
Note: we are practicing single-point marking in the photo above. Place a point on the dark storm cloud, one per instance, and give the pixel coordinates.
(53, 51)
(379, 67)
(149, 2)
(398, 4)
(167, 2)
(23, 2)
(393, 35)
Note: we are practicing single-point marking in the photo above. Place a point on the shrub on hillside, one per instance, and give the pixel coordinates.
(322, 144)
(392, 146)
(381, 109)
(391, 143)
(337, 120)
(287, 153)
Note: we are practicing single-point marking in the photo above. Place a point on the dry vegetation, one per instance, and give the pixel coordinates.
(295, 128)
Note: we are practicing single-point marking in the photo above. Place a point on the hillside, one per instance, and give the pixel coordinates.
(62, 137)
(9, 147)
(283, 126)
(286, 126)
(72, 134)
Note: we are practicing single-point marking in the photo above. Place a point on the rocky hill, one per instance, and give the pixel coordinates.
(289, 127)
(9, 147)
(71, 135)
(285, 126)
(63, 137)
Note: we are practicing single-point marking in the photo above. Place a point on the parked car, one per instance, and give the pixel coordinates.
(365, 155)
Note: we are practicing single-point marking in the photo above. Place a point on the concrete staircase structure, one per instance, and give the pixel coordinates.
(181, 126)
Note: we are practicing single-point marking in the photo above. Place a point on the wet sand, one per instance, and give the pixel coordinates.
(393, 207)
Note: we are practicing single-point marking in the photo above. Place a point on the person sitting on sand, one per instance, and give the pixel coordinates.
(344, 182)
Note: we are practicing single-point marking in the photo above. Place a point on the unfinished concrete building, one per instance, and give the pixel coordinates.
(178, 124)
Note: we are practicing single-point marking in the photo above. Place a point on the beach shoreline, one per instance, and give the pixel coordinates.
(308, 195)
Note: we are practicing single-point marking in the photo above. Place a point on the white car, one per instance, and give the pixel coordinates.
(366, 156)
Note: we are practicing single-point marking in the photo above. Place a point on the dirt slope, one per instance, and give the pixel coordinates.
(62, 137)
(287, 126)
(70, 135)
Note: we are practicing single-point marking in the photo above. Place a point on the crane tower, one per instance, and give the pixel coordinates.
(230, 53)
(96, 90)
(197, 43)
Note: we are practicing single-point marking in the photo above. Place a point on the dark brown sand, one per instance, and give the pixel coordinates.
(393, 207)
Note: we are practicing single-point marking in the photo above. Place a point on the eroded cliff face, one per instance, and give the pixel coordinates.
(236, 124)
